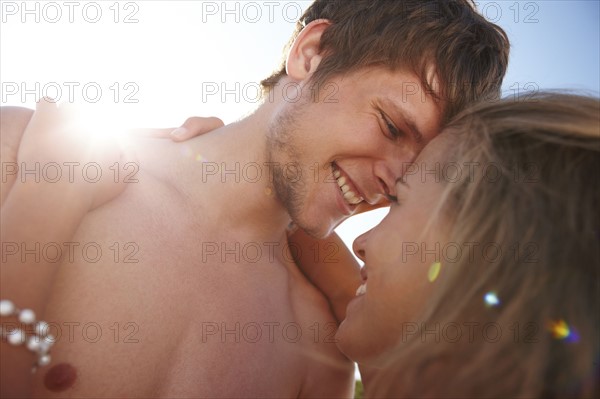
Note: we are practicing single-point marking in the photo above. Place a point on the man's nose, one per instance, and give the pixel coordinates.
(388, 171)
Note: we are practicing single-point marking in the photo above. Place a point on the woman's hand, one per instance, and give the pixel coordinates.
(192, 127)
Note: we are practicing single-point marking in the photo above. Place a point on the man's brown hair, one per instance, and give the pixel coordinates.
(470, 54)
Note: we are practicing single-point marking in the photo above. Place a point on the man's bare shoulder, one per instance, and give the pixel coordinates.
(13, 121)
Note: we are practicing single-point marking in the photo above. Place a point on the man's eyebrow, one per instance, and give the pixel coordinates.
(412, 126)
(408, 121)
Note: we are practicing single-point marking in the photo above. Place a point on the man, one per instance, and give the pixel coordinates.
(211, 303)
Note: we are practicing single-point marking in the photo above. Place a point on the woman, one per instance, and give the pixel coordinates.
(516, 315)
(482, 281)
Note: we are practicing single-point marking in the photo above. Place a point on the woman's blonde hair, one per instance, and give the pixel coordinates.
(525, 297)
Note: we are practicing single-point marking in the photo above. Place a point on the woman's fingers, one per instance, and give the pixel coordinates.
(195, 126)
(192, 127)
(152, 133)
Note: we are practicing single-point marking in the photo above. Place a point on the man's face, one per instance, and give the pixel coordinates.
(349, 145)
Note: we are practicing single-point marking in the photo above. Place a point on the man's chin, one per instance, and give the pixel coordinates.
(315, 221)
(317, 232)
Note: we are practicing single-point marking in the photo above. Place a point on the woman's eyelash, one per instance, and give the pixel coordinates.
(392, 198)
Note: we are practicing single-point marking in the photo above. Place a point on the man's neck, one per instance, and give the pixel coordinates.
(232, 163)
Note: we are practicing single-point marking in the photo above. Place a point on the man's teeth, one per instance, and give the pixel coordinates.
(362, 289)
(350, 196)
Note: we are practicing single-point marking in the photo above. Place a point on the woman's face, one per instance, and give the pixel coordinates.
(398, 255)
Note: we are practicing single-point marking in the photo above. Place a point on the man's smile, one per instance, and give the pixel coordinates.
(349, 191)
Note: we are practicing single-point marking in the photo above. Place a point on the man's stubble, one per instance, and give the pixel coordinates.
(284, 156)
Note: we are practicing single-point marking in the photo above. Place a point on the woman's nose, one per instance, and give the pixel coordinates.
(359, 245)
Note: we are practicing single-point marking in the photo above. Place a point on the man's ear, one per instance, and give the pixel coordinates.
(304, 58)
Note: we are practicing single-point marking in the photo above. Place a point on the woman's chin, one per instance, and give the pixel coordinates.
(354, 341)
(345, 340)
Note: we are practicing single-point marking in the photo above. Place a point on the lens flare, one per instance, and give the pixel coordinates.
(561, 330)
(101, 124)
(491, 299)
(434, 271)
(185, 151)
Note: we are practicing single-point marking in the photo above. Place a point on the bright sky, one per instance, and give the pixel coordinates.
(154, 63)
